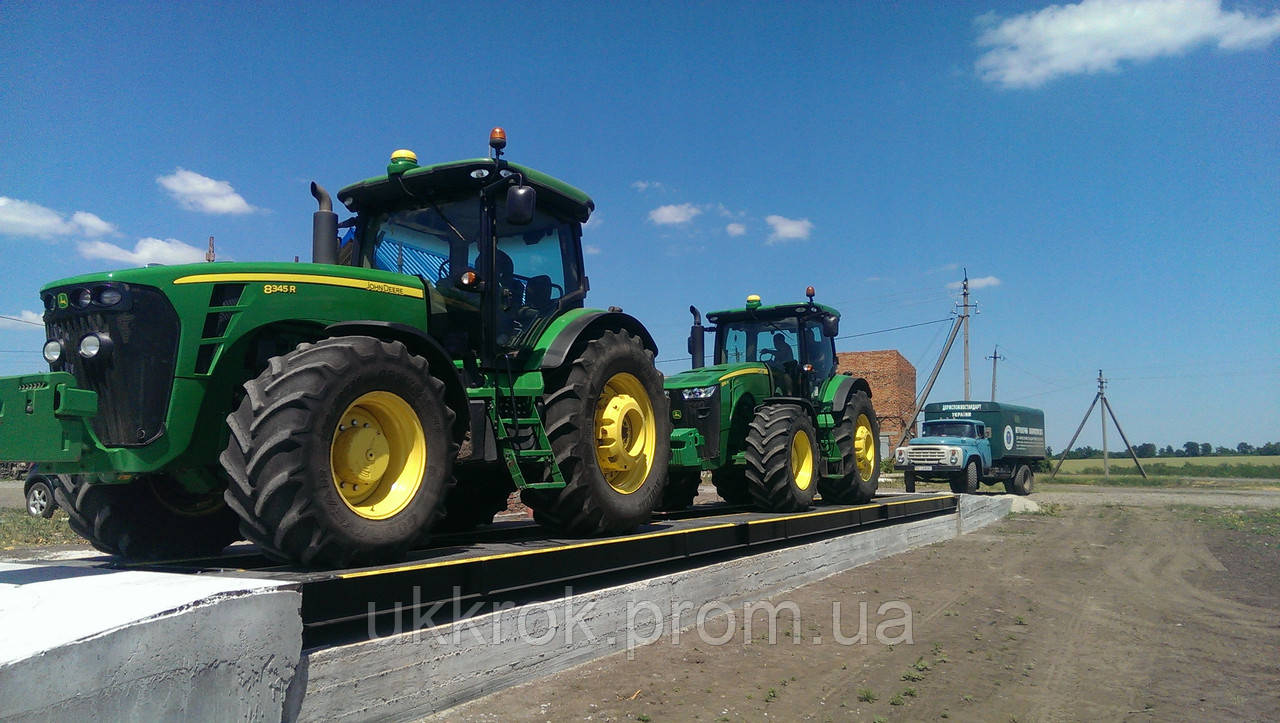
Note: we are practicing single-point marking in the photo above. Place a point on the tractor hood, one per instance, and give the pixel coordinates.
(708, 376)
(448, 179)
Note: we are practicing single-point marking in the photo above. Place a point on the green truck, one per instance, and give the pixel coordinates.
(771, 419)
(968, 443)
(335, 412)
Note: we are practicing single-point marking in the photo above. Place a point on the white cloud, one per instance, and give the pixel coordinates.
(23, 320)
(23, 218)
(974, 284)
(590, 249)
(944, 267)
(788, 229)
(1028, 50)
(201, 193)
(735, 229)
(643, 186)
(674, 214)
(146, 251)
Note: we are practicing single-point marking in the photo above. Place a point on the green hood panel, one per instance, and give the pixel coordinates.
(707, 376)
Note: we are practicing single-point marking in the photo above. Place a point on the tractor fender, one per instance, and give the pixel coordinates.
(587, 326)
(420, 343)
(844, 390)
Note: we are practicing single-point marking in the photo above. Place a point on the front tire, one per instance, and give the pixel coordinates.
(152, 518)
(782, 459)
(967, 481)
(857, 437)
(340, 453)
(609, 426)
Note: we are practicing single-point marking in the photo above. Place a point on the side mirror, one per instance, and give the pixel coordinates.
(521, 201)
(831, 325)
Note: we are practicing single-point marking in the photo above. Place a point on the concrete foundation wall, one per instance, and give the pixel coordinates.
(407, 676)
(165, 646)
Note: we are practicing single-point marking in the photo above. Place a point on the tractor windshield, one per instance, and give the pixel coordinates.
(537, 263)
(949, 429)
(776, 341)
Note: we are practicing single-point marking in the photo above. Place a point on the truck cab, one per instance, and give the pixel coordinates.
(946, 447)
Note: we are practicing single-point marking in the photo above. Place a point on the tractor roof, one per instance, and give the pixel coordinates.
(455, 176)
(779, 311)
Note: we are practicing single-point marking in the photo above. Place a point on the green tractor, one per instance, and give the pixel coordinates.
(424, 366)
(771, 419)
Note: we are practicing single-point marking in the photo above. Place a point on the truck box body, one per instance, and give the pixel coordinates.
(1015, 431)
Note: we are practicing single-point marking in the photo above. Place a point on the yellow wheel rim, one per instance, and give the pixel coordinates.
(378, 455)
(626, 433)
(802, 459)
(864, 448)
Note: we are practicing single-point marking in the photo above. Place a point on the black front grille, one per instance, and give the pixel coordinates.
(134, 377)
(702, 415)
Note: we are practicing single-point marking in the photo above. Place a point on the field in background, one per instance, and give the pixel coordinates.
(1239, 466)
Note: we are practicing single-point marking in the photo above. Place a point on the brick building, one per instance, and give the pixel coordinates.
(893, 387)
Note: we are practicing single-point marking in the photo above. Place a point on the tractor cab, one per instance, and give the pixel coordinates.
(795, 342)
(497, 246)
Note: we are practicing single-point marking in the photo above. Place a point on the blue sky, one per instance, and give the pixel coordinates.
(1108, 172)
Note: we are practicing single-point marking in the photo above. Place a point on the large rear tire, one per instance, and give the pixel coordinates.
(857, 438)
(1021, 482)
(610, 429)
(782, 459)
(340, 453)
(152, 518)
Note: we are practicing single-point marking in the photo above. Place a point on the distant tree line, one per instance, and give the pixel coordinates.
(1148, 450)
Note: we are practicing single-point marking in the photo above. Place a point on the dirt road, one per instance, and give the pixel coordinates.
(1112, 608)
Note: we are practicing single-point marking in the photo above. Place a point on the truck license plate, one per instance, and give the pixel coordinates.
(924, 467)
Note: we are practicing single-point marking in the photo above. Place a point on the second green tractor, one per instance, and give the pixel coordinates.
(770, 419)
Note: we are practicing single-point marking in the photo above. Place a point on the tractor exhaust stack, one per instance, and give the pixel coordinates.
(324, 228)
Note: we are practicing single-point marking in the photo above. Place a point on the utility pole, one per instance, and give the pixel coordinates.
(208, 255)
(928, 386)
(1101, 396)
(995, 355)
(964, 317)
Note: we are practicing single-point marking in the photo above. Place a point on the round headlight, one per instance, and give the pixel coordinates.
(52, 351)
(108, 296)
(90, 346)
(82, 298)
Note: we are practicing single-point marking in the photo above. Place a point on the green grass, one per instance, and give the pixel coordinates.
(18, 529)
(1248, 466)
(1255, 521)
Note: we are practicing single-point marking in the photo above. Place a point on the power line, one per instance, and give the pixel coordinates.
(23, 321)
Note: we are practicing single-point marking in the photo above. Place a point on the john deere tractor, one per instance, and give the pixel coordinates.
(325, 410)
(771, 419)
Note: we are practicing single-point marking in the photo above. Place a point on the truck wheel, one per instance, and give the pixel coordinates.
(681, 488)
(967, 481)
(857, 438)
(610, 430)
(1021, 482)
(909, 479)
(40, 498)
(481, 491)
(152, 518)
(340, 452)
(731, 485)
(782, 459)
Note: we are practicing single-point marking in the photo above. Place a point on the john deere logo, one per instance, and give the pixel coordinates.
(62, 300)
(675, 414)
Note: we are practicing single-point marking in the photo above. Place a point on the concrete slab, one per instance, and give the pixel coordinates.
(421, 671)
(87, 642)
